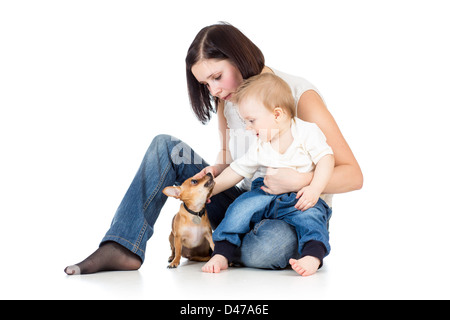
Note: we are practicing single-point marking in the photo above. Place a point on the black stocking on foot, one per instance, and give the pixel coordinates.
(111, 256)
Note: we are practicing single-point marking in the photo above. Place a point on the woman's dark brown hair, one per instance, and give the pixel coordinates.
(219, 41)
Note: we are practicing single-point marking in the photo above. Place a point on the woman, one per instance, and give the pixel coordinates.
(217, 62)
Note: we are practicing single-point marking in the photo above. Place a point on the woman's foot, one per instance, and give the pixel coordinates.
(306, 266)
(111, 256)
(217, 263)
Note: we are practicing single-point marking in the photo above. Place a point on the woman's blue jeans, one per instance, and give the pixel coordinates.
(169, 161)
(255, 205)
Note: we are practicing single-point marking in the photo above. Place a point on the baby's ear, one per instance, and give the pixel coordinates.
(278, 112)
(172, 192)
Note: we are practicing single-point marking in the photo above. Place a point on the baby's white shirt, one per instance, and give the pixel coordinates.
(308, 147)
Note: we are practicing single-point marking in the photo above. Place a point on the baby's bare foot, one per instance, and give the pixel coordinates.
(305, 266)
(217, 263)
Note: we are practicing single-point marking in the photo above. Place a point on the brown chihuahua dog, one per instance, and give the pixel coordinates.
(191, 235)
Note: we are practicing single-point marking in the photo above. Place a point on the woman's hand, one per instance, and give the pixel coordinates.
(284, 180)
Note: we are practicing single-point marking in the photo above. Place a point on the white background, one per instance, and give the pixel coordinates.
(86, 85)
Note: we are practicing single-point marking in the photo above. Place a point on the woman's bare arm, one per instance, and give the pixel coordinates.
(223, 159)
(347, 175)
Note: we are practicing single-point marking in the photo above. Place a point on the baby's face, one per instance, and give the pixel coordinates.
(258, 119)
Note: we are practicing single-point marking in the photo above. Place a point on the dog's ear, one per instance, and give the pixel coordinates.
(172, 192)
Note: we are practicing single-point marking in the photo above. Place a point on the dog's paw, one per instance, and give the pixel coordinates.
(171, 259)
(172, 266)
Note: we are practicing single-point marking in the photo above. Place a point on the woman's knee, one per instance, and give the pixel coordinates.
(167, 146)
(269, 245)
(162, 140)
(159, 144)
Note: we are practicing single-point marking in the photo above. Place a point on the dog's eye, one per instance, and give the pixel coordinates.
(194, 182)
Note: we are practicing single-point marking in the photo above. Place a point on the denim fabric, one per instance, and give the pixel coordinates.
(169, 161)
(256, 205)
(269, 245)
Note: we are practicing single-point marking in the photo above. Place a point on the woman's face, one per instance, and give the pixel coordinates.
(220, 76)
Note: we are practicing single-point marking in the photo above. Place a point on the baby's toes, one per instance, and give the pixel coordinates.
(206, 268)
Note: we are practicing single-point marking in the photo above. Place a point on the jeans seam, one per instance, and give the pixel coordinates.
(158, 187)
(141, 234)
(277, 202)
(255, 229)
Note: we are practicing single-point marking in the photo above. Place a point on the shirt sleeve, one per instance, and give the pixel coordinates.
(247, 165)
(315, 143)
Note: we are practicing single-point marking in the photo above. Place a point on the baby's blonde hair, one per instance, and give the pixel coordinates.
(270, 89)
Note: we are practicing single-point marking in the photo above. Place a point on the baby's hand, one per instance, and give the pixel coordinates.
(201, 174)
(308, 198)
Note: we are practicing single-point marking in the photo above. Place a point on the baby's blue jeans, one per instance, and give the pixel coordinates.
(311, 225)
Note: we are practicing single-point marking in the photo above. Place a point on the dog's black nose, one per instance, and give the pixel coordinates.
(209, 174)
